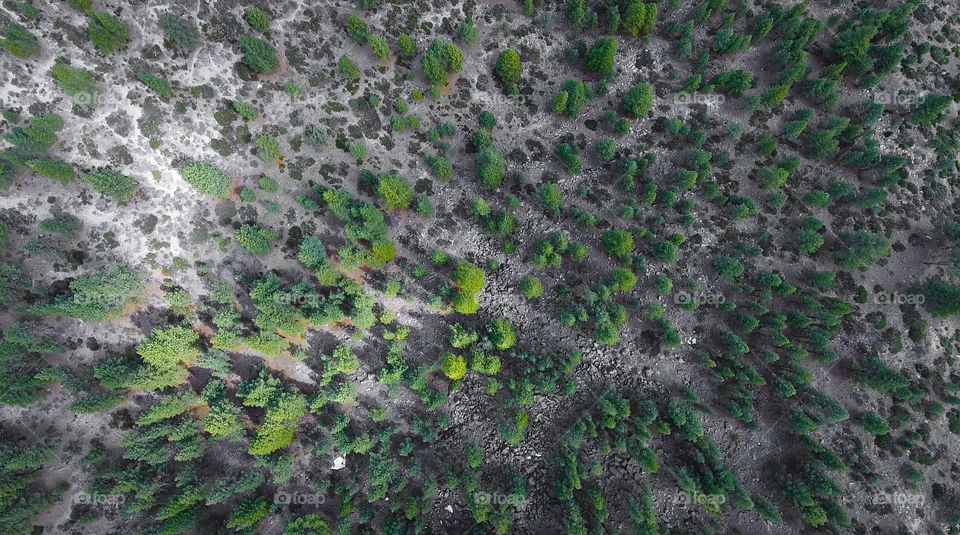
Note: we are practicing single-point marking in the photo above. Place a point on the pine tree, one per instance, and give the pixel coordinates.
(637, 101)
(508, 67)
(600, 56)
(259, 55)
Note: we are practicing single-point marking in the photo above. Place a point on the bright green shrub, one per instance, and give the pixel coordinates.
(107, 32)
(78, 83)
(18, 41)
(257, 240)
(209, 179)
(247, 111)
(116, 185)
(259, 55)
(160, 85)
(257, 18)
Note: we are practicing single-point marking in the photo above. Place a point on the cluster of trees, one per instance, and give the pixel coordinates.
(597, 308)
(469, 281)
(23, 376)
(438, 61)
(29, 151)
(573, 95)
(20, 467)
(364, 226)
(491, 165)
(96, 296)
(615, 422)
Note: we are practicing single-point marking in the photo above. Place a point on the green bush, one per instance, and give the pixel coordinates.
(501, 333)
(468, 277)
(78, 83)
(606, 150)
(268, 184)
(257, 240)
(115, 185)
(160, 85)
(862, 249)
(454, 366)
(107, 32)
(358, 150)
(929, 110)
(443, 169)
(257, 18)
(508, 67)
(600, 56)
(665, 251)
(18, 41)
(637, 101)
(348, 68)
(179, 31)
(567, 152)
(60, 171)
(395, 192)
(618, 243)
(424, 207)
(942, 299)
(406, 48)
(550, 197)
(379, 47)
(259, 55)
(873, 424)
(491, 166)
(249, 512)
(531, 287)
(247, 111)
(357, 29)
(209, 179)
(269, 149)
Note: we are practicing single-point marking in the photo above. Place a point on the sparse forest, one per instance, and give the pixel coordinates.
(516, 267)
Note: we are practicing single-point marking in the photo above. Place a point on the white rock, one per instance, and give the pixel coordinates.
(339, 463)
